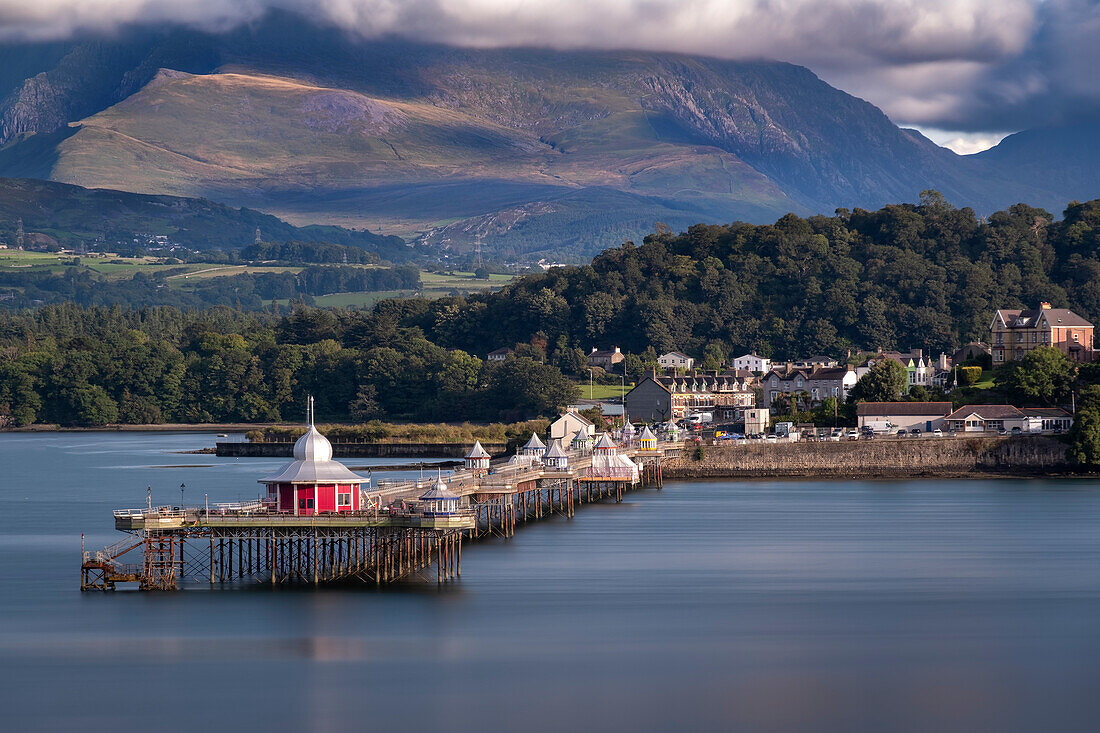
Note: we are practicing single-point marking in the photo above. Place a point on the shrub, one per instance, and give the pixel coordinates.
(969, 375)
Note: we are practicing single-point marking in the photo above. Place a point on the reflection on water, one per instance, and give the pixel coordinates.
(835, 606)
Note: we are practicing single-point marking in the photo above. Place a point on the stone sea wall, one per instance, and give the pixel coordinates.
(877, 458)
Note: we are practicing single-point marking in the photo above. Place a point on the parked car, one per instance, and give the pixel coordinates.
(853, 435)
(901, 433)
(915, 433)
(937, 433)
(771, 438)
(1002, 431)
(1017, 430)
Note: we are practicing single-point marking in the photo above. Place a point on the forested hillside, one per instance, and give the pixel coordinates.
(926, 275)
(92, 366)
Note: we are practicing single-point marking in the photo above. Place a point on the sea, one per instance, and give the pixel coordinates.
(823, 605)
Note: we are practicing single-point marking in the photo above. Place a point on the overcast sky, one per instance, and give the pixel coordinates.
(964, 71)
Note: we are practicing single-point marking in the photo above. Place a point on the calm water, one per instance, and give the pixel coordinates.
(826, 606)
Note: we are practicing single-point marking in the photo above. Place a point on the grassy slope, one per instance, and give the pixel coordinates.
(313, 153)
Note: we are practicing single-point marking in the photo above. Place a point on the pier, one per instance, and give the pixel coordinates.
(392, 531)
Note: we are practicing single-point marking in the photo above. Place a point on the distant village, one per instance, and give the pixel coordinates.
(744, 398)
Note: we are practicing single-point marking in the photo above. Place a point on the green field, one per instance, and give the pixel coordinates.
(112, 267)
(357, 300)
(438, 284)
(602, 391)
(434, 284)
(986, 382)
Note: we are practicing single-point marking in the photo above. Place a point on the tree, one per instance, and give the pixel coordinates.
(713, 355)
(365, 405)
(1043, 376)
(633, 368)
(1085, 434)
(886, 381)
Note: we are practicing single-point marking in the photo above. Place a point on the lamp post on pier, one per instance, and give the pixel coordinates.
(182, 487)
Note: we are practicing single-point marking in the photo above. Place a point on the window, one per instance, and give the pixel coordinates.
(301, 503)
(1074, 338)
(343, 499)
(1034, 337)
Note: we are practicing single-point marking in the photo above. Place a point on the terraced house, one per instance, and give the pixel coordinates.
(1016, 332)
(672, 397)
(805, 387)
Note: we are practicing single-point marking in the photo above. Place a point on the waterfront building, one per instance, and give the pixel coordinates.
(500, 354)
(992, 419)
(1016, 332)
(573, 429)
(477, 458)
(659, 398)
(884, 417)
(313, 483)
(647, 440)
(757, 420)
(1051, 419)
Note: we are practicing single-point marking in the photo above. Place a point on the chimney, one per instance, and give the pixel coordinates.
(919, 353)
(1044, 306)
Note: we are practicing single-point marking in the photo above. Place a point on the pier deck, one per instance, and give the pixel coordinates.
(393, 538)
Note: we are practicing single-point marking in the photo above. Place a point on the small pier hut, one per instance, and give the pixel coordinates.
(607, 462)
(313, 483)
(439, 501)
(534, 447)
(628, 434)
(647, 440)
(672, 432)
(477, 458)
(555, 457)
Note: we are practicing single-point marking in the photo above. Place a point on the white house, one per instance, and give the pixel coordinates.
(752, 363)
(675, 360)
(568, 426)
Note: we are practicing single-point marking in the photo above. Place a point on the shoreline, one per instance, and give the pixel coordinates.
(688, 475)
(151, 428)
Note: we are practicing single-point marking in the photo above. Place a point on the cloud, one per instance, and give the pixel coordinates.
(963, 143)
(955, 64)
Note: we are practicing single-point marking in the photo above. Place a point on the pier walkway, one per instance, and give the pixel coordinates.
(394, 536)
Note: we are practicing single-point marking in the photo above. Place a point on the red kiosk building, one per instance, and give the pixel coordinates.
(314, 483)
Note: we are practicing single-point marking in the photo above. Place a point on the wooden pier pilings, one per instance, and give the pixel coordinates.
(187, 547)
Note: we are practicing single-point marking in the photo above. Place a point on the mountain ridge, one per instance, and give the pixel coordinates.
(317, 125)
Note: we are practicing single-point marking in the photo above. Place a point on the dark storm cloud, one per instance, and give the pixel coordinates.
(955, 64)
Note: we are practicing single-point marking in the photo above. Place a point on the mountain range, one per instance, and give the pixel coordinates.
(531, 153)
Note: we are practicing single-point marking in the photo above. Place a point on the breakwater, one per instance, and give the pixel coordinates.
(962, 456)
(242, 449)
